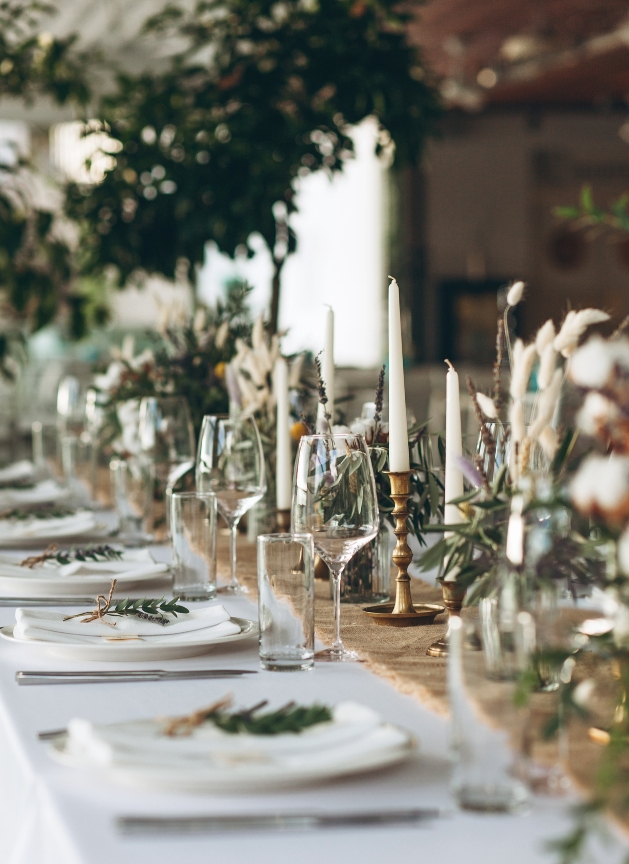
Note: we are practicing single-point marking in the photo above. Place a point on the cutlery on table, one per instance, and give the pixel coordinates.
(46, 601)
(120, 675)
(151, 825)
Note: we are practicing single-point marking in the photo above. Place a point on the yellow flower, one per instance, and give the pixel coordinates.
(219, 370)
(297, 430)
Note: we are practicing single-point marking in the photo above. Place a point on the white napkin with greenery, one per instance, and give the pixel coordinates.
(18, 472)
(31, 527)
(353, 731)
(124, 565)
(211, 622)
(45, 492)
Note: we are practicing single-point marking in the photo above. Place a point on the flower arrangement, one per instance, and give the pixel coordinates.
(519, 437)
(190, 358)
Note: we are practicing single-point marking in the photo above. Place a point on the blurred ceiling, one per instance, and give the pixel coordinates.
(527, 52)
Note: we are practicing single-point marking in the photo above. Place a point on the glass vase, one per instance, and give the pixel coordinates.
(367, 576)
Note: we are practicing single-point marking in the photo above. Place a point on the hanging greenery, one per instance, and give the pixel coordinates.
(262, 94)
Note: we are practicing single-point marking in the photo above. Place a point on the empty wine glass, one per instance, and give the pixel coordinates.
(167, 437)
(334, 499)
(230, 463)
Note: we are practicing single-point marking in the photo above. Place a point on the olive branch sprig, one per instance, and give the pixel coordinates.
(102, 552)
(289, 718)
(153, 607)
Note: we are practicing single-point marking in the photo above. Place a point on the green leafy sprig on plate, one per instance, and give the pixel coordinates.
(102, 552)
(39, 511)
(290, 718)
(144, 607)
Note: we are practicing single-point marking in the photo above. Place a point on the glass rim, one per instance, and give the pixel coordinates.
(199, 495)
(295, 536)
(322, 435)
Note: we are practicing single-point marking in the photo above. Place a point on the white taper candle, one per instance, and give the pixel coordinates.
(398, 428)
(327, 365)
(283, 453)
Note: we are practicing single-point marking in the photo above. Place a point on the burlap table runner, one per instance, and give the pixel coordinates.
(399, 656)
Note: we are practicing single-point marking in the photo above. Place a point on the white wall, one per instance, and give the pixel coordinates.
(340, 261)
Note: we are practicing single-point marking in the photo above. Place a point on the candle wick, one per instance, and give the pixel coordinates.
(449, 364)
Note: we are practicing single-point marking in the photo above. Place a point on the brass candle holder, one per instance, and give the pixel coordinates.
(453, 597)
(282, 521)
(402, 613)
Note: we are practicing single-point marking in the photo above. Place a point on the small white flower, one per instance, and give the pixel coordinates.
(514, 295)
(523, 362)
(545, 336)
(518, 426)
(574, 326)
(601, 486)
(596, 413)
(593, 364)
(548, 441)
(547, 365)
(487, 406)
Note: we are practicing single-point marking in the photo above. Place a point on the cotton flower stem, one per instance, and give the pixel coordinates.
(507, 335)
(497, 388)
(619, 331)
(486, 436)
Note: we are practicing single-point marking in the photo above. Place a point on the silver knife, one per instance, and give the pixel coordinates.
(151, 825)
(119, 675)
(46, 601)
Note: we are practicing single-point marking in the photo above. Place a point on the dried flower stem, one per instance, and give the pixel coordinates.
(379, 399)
(323, 395)
(487, 437)
(497, 389)
(478, 462)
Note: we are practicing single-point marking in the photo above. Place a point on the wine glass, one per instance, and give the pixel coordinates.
(167, 437)
(334, 499)
(230, 463)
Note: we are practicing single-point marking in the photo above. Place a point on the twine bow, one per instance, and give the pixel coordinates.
(100, 610)
(36, 560)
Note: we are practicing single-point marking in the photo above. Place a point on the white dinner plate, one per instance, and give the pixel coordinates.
(239, 776)
(31, 584)
(134, 650)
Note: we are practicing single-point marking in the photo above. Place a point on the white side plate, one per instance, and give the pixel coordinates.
(134, 650)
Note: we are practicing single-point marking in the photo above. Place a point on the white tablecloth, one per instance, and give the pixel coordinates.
(50, 814)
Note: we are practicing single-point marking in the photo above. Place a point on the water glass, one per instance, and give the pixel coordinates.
(286, 601)
(488, 726)
(132, 482)
(193, 532)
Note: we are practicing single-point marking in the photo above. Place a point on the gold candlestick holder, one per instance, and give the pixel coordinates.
(402, 613)
(282, 521)
(453, 597)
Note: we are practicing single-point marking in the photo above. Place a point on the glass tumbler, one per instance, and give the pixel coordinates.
(132, 484)
(286, 601)
(193, 533)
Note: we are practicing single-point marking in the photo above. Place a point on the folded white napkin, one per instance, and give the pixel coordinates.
(46, 492)
(17, 472)
(132, 564)
(81, 522)
(354, 730)
(212, 622)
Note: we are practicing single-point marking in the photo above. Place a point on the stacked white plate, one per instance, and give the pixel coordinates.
(209, 760)
(135, 570)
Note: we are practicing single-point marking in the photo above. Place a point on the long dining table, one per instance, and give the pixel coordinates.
(54, 814)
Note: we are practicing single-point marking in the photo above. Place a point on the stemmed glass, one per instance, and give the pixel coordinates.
(230, 463)
(167, 437)
(334, 499)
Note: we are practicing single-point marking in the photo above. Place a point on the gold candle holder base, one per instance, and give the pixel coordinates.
(453, 597)
(282, 521)
(402, 613)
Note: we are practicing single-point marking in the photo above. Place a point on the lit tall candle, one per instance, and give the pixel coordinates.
(283, 454)
(454, 448)
(327, 365)
(398, 428)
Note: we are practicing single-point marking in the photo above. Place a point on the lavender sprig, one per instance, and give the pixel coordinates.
(321, 390)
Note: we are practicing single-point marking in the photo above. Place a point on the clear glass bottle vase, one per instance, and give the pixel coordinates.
(367, 576)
